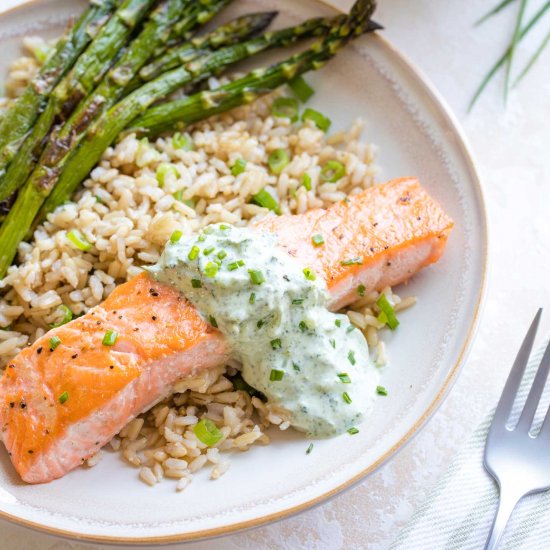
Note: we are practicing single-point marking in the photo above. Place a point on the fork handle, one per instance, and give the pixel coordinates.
(506, 504)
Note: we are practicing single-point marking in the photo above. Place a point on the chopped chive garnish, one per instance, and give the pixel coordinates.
(201, 238)
(346, 397)
(252, 298)
(306, 181)
(78, 240)
(361, 290)
(182, 141)
(63, 397)
(194, 253)
(353, 261)
(208, 251)
(276, 344)
(238, 167)
(260, 323)
(344, 377)
(276, 375)
(297, 301)
(353, 431)
(222, 254)
(164, 170)
(212, 321)
(196, 283)
(277, 161)
(338, 323)
(333, 343)
(302, 90)
(240, 263)
(351, 357)
(207, 432)
(302, 326)
(309, 449)
(296, 367)
(54, 342)
(264, 199)
(318, 240)
(285, 107)
(208, 230)
(211, 269)
(381, 390)
(67, 316)
(309, 274)
(110, 338)
(350, 328)
(320, 120)
(332, 171)
(224, 227)
(176, 236)
(232, 266)
(386, 308)
(256, 276)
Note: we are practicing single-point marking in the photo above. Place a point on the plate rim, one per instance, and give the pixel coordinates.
(451, 122)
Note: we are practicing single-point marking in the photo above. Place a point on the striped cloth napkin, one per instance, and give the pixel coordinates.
(459, 511)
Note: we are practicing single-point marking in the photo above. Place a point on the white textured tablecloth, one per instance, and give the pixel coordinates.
(512, 147)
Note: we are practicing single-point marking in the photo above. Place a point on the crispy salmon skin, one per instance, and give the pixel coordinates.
(68, 394)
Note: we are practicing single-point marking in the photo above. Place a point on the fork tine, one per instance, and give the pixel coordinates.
(535, 393)
(511, 387)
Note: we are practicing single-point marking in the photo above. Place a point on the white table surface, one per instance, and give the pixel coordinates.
(512, 149)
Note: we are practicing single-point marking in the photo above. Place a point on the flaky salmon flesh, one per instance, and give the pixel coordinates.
(68, 394)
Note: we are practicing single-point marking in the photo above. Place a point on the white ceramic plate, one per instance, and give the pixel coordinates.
(416, 136)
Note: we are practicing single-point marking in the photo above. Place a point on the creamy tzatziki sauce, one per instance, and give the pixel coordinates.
(302, 357)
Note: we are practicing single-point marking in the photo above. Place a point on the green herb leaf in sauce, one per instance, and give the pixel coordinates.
(353, 431)
(351, 357)
(346, 397)
(196, 283)
(256, 276)
(381, 390)
(176, 236)
(276, 344)
(276, 375)
(194, 253)
(211, 269)
(309, 449)
(344, 377)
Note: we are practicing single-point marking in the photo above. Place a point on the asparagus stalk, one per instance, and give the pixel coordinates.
(18, 119)
(89, 69)
(230, 33)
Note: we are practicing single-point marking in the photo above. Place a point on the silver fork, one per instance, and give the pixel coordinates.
(519, 462)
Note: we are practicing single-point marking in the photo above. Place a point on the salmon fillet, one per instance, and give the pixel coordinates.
(59, 404)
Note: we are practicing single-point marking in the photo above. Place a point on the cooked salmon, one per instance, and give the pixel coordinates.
(68, 394)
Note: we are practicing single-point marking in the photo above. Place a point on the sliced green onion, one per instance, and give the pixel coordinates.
(381, 390)
(194, 253)
(332, 171)
(276, 344)
(353, 261)
(386, 308)
(256, 276)
(276, 375)
(309, 449)
(296, 367)
(196, 283)
(54, 342)
(252, 298)
(344, 378)
(277, 161)
(333, 343)
(264, 199)
(346, 397)
(297, 301)
(302, 90)
(351, 357)
(285, 107)
(207, 432)
(309, 274)
(211, 269)
(353, 431)
(176, 236)
(212, 321)
(318, 240)
(63, 397)
(338, 323)
(164, 170)
(208, 251)
(221, 254)
(303, 326)
(320, 120)
(182, 141)
(78, 240)
(306, 181)
(361, 290)
(238, 167)
(110, 338)
(67, 316)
